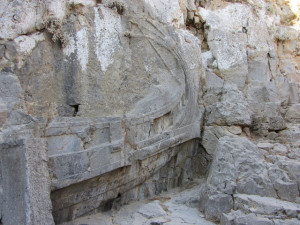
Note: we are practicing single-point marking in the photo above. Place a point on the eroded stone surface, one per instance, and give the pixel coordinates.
(167, 208)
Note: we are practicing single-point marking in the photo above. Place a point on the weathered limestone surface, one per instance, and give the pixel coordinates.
(107, 102)
(25, 183)
(167, 208)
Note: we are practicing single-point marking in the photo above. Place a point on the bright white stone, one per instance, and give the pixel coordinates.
(167, 11)
(57, 9)
(83, 2)
(108, 29)
(70, 48)
(25, 44)
(82, 48)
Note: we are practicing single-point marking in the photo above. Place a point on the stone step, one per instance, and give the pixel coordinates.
(270, 207)
(292, 133)
(287, 222)
(240, 218)
(293, 113)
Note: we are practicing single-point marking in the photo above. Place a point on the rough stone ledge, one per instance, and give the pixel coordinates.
(266, 206)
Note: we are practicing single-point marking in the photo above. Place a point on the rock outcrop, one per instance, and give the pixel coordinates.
(106, 102)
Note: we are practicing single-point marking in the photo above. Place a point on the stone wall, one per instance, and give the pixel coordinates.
(177, 166)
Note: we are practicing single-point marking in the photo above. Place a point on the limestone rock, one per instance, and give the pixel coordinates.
(231, 59)
(213, 88)
(287, 222)
(152, 210)
(211, 135)
(233, 109)
(10, 91)
(286, 190)
(32, 205)
(217, 204)
(266, 206)
(238, 217)
(238, 167)
(293, 112)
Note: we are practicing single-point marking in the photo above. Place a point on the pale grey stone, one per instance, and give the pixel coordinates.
(293, 112)
(265, 145)
(213, 88)
(26, 188)
(266, 206)
(239, 218)
(227, 219)
(260, 96)
(207, 58)
(10, 90)
(286, 190)
(217, 204)
(279, 149)
(233, 109)
(258, 69)
(152, 210)
(286, 222)
(293, 169)
(234, 159)
(231, 59)
(236, 130)
(252, 219)
(276, 123)
(211, 135)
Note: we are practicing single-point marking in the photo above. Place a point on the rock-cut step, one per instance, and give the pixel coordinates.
(268, 207)
(240, 218)
(257, 210)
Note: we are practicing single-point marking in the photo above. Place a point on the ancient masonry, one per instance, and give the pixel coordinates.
(103, 103)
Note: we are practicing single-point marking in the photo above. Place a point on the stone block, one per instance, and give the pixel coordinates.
(286, 222)
(276, 123)
(287, 191)
(252, 219)
(26, 184)
(233, 108)
(265, 206)
(58, 145)
(152, 210)
(231, 59)
(293, 169)
(279, 149)
(10, 90)
(265, 145)
(216, 205)
(293, 112)
(211, 136)
(68, 166)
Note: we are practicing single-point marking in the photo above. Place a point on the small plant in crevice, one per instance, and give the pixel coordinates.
(196, 24)
(119, 5)
(54, 27)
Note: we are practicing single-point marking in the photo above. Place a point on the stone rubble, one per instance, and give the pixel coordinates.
(172, 208)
